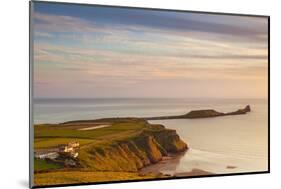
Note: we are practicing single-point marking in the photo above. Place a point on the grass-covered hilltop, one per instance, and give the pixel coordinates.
(100, 150)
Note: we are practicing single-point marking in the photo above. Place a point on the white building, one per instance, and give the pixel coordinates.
(69, 149)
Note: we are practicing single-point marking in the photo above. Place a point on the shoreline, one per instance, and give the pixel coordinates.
(134, 136)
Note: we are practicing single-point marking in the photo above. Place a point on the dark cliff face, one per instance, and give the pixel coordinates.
(170, 141)
(130, 155)
(247, 108)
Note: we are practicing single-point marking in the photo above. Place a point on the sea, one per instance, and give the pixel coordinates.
(221, 145)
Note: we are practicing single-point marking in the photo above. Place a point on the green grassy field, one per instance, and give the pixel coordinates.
(118, 129)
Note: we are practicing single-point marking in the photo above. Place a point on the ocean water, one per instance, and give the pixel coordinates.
(239, 141)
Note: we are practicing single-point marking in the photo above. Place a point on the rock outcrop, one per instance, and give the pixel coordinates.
(202, 114)
(240, 111)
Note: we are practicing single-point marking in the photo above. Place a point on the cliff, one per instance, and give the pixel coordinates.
(202, 114)
(134, 153)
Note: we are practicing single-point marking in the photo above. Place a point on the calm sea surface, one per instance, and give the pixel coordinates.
(237, 141)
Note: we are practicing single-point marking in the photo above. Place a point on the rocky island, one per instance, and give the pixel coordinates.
(208, 113)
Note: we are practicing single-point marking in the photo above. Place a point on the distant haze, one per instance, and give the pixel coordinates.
(94, 52)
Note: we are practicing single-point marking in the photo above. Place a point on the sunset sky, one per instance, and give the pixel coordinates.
(103, 52)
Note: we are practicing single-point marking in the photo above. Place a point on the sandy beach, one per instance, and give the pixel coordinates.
(93, 127)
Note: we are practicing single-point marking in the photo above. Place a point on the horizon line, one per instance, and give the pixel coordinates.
(38, 98)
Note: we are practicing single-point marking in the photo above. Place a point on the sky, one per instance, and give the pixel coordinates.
(108, 52)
